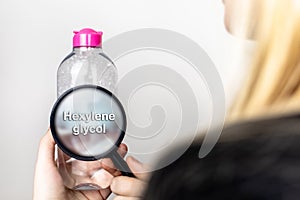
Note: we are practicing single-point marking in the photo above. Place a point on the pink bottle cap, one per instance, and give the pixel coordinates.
(87, 38)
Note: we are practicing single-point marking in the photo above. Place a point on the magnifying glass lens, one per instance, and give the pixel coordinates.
(88, 123)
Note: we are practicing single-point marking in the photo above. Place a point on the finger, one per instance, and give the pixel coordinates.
(46, 149)
(122, 150)
(108, 164)
(103, 178)
(127, 186)
(140, 170)
(46, 170)
(111, 169)
(126, 198)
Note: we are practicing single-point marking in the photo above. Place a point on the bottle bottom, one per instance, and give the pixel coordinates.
(86, 186)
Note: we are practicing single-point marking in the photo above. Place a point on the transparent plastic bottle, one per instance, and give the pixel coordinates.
(86, 64)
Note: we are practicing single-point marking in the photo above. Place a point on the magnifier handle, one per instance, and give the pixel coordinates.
(121, 165)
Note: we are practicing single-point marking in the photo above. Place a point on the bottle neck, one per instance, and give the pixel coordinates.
(87, 49)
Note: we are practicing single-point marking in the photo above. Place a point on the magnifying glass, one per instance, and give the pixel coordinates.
(88, 123)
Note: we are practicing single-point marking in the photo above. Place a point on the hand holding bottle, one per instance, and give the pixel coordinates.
(129, 188)
(48, 183)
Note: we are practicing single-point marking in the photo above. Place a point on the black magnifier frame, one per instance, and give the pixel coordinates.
(112, 153)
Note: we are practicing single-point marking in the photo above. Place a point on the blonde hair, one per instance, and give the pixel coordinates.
(273, 83)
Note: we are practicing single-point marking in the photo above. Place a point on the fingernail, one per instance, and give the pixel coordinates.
(103, 178)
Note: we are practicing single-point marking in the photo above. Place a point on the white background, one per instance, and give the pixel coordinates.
(36, 35)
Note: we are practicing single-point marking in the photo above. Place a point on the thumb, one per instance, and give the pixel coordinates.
(140, 170)
(46, 149)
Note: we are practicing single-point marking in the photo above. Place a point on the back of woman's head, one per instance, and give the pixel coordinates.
(272, 85)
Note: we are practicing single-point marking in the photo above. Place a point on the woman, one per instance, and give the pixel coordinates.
(272, 86)
(257, 157)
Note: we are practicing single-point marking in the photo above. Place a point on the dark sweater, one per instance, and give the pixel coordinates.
(258, 159)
